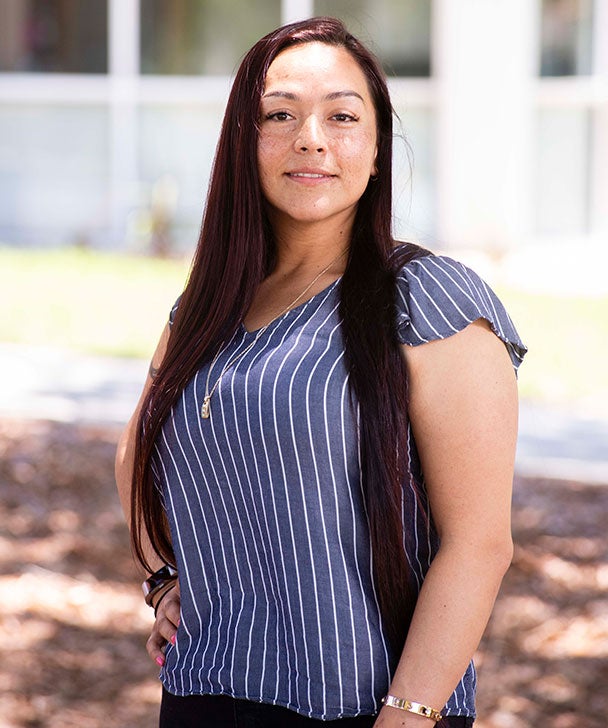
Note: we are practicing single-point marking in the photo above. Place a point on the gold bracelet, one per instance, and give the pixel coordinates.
(412, 707)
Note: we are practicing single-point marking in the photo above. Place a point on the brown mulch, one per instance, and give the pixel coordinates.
(73, 623)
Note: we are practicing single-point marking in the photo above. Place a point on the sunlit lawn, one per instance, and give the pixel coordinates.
(568, 346)
(91, 302)
(117, 305)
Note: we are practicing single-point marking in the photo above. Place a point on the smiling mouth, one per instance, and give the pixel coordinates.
(309, 175)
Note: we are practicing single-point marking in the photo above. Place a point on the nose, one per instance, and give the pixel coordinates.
(311, 136)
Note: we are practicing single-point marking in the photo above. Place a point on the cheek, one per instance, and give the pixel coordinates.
(359, 153)
(266, 158)
(271, 148)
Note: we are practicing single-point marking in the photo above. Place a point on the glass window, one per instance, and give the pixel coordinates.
(176, 150)
(566, 32)
(56, 36)
(202, 36)
(414, 175)
(399, 31)
(562, 170)
(54, 173)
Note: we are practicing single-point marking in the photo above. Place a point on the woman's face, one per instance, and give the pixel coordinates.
(317, 142)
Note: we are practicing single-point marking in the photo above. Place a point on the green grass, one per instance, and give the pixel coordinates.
(87, 301)
(567, 338)
(117, 305)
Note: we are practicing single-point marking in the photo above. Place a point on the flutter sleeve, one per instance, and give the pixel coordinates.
(438, 297)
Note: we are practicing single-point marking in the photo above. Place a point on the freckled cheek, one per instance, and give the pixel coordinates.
(269, 156)
(359, 148)
(357, 159)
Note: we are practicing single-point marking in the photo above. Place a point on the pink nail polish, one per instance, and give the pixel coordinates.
(173, 639)
(160, 661)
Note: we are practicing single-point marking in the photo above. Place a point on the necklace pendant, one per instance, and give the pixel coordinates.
(206, 408)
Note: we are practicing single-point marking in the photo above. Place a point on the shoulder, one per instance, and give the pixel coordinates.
(440, 280)
(437, 297)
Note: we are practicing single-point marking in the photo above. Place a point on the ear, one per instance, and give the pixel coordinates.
(374, 172)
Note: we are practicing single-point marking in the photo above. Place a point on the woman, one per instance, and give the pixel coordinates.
(311, 372)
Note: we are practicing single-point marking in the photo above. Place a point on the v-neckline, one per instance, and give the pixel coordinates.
(272, 322)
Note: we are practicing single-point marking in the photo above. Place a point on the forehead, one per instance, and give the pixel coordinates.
(316, 66)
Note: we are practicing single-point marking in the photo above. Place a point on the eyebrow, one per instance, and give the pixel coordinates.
(330, 97)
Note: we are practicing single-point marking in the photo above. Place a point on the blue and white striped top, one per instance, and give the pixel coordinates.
(266, 512)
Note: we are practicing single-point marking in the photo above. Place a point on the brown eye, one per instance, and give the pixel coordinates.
(278, 116)
(344, 117)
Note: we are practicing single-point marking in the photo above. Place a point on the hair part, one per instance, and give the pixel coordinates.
(235, 251)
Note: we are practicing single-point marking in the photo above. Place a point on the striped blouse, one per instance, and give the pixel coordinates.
(266, 512)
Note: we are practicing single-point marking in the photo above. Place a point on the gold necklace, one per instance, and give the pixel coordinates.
(206, 406)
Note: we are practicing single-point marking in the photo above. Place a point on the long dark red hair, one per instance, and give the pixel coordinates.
(235, 251)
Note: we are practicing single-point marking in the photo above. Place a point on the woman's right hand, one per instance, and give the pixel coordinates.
(165, 625)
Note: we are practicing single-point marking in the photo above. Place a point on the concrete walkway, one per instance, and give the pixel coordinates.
(58, 385)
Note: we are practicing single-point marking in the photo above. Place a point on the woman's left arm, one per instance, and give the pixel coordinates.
(463, 413)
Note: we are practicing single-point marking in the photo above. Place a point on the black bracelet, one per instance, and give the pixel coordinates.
(162, 596)
(156, 581)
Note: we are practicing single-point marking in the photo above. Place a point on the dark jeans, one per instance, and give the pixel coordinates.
(221, 711)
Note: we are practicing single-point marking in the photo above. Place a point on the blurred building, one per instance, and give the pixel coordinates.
(110, 111)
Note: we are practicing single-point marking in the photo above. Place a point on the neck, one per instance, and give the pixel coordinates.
(311, 245)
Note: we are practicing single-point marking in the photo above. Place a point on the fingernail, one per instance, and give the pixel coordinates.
(172, 639)
(160, 661)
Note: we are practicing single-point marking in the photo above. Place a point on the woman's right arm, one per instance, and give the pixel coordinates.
(125, 452)
(168, 611)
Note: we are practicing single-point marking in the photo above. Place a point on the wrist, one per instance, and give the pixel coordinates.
(389, 718)
(421, 711)
(161, 594)
(157, 583)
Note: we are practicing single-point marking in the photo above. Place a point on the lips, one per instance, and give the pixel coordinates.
(310, 174)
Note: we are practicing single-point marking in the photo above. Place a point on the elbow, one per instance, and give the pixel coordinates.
(504, 555)
(119, 458)
(489, 557)
(497, 555)
(123, 471)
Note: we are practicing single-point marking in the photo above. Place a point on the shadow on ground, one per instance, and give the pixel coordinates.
(75, 626)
